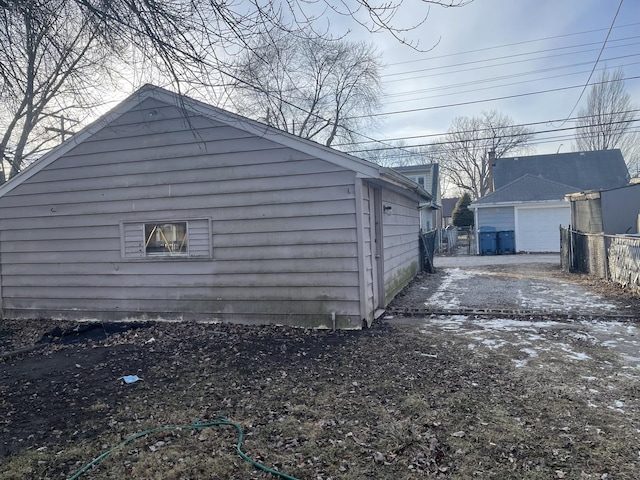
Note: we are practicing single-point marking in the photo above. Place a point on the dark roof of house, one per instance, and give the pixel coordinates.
(527, 189)
(595, 170)
(448, 204)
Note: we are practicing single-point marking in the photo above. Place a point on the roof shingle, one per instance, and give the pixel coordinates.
(594, 170)
(527, 188)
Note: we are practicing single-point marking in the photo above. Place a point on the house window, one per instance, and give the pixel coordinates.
(166, 239)
(420, 180)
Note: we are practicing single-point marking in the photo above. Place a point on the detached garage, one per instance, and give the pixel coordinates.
(168, 208)
(532, 207)
(528, 196)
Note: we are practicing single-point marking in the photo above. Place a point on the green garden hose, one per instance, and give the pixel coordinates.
(196, 426)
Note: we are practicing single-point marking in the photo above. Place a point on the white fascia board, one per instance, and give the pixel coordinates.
(546, 204)
(527, 204)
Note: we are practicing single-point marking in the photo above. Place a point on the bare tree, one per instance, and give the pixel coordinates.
(51, 51)
(313, 87)
(49, 68)
(464, 154)
(607, 121)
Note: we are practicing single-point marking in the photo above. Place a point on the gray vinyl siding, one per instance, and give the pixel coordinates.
(401, 228)
(500, 218)
(283, 241)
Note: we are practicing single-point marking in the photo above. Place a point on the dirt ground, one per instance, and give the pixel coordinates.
(447, 397)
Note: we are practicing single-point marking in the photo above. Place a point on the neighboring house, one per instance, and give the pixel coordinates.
(613, 211)
(529, 194)
(448, 205)
(428, 177)
(170, 208)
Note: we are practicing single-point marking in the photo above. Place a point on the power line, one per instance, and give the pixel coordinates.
(503, 85)
(453, 142)
(504, 77)
(597, 60)
(506, 57)
(473, 102)
(540, 141)
(462, 132)
(510, 44)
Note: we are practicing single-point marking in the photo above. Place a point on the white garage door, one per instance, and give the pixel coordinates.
(538, 228)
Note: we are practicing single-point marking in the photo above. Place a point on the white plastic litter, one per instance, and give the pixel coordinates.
(131, 378)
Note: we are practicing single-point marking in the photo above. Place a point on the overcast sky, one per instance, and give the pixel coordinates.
(504, 48)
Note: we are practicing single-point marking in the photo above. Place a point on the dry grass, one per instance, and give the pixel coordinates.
(384, 403)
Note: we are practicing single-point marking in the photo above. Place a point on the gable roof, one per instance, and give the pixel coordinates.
(527, 188)
(363, 168)
(594, 170)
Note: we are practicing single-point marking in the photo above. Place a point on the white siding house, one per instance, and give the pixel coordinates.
(428, 177)
(170, 208)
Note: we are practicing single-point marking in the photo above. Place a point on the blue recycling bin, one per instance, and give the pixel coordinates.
(506, 242)
(488, 242)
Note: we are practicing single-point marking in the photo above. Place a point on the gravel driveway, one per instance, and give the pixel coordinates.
(532, 284)
(524, 282)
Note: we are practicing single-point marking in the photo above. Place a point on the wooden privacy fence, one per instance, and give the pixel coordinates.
(611, 257)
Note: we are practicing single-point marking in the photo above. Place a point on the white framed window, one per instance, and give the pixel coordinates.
(166, 239)
(419, 179)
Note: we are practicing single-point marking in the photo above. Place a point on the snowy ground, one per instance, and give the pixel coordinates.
(534, 338)
(524, 282)
(478, 288)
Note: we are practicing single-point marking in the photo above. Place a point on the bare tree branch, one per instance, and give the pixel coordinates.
(463, 157)
(316, 83)
(54, 54)
(606, 121)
